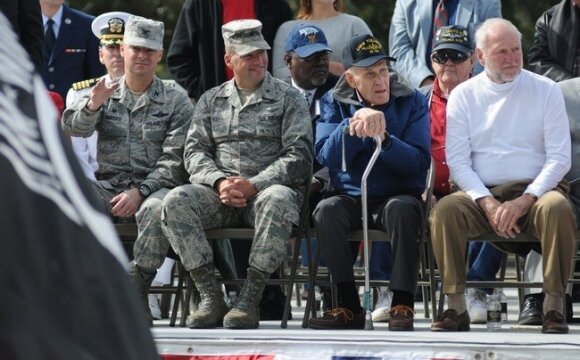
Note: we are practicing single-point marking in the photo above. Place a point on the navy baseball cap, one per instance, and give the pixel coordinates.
(305, 40)
(362, 51)
(455, 37)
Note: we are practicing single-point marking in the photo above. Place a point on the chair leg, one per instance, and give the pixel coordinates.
(573, 272)
(165, 304)
(433, 284)
(178, 294)
(423, 272)
(298, 295)
(186, 300)
(310, 307)
(519, 278)
(441, 304)
(291, 280)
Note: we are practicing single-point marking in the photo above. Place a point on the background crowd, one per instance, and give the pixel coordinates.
(377, 14)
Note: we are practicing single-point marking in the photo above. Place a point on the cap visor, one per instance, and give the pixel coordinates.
(247, 48)
(142, 43)
(372, 60)
(308, 50)
(458, 47)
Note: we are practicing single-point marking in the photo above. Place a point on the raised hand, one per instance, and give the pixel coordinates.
(101, 92)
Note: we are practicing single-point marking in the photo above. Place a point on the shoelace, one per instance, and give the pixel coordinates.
(531, 303)
(402, 309)
(334, 313)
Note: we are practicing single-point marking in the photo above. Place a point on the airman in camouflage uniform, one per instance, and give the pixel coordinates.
(142, 123)
(248, 151)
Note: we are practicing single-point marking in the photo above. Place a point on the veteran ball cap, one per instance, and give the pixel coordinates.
(305, 40)
(244, 36)
(110, 27)
(455, 37)
(363, 51)
(143, 32)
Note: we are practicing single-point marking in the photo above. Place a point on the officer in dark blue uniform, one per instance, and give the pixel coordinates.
(71, 52)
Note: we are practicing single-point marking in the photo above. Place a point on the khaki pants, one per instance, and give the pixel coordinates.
(457, 218)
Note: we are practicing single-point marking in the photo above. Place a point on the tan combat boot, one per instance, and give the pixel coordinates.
(246, 314)
(212, 307)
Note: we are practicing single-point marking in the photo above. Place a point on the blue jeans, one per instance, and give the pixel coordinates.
(304, 256)
(484, 262)
(380, 261)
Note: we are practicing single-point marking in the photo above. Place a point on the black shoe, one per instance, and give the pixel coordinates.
(326, 298)
(272, 304)
(576, 291)
(569, 309)
(339, 319)
(531, 313)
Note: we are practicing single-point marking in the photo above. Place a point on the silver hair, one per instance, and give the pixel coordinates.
(485, 28)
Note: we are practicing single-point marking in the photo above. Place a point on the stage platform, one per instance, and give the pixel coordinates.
(272, 342)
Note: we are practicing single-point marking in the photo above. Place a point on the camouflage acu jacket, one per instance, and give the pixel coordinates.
(268, 141)
(138, 142)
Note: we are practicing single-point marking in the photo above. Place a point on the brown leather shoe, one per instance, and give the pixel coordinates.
(451, 321)
(338, 319)
(554, 323)
(401, 318)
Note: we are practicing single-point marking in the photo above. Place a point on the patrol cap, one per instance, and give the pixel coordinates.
(362, 51)
(305, 40)
(110, 27)
(244, 36)
(455, 37)
(143, 32)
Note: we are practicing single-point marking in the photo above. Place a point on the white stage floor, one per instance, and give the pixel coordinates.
(512, 342)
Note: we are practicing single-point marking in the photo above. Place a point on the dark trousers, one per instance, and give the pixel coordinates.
(400, 216)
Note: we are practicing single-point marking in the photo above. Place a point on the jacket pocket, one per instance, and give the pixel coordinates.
(269, 126)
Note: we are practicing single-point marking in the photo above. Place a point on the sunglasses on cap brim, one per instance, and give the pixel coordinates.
(456, 57)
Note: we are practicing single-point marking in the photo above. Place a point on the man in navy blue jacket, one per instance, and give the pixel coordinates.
(368, 101)
(73, 54)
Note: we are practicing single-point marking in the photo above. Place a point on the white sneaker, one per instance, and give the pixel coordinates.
(154, 306)
(383, 305)
(476, 302)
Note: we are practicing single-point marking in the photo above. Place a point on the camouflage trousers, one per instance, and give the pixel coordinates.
(151, 245)
(189, 209)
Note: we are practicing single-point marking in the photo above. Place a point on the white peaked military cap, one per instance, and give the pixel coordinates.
(110, 27)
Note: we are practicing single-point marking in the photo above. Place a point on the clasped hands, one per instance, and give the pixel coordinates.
(368, 122)
(503, 217)
(235, 191)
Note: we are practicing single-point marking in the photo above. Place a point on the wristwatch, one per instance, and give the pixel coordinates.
(144, 190)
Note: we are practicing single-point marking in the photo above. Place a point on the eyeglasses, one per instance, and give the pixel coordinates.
(456, 57)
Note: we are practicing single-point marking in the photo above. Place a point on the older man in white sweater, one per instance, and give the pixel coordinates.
(508, 149)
